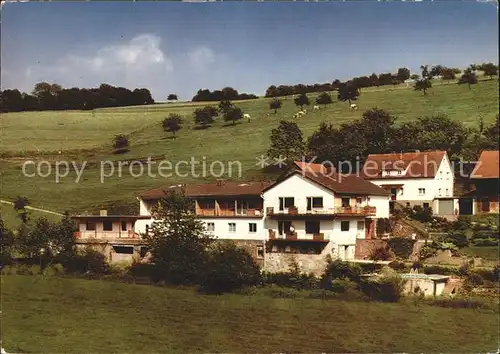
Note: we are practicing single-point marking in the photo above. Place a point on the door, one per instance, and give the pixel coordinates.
(446, 207)
(343, 252)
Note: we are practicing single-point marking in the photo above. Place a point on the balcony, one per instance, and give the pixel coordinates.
(256, 213)
(294, 236)
(103, 235)
(336, 211)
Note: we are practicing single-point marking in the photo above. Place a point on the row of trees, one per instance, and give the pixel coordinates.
(376, 133)
(384, 79)
(47, 96)
(226, 94)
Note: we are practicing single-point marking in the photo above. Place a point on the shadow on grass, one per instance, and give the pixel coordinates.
(230, 124)
(201, 127)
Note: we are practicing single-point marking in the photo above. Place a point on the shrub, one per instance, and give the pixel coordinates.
(387, 288)
(338, 269)
(462, 223)
(120, 141)
(442, 270)
(370, 267)
(383, 226)
(401, 246)
(458, 238)
(382, 253)
(88, 261)
(278, 292)
(485, 242)
(427, 251)
(291, 280)
(421, 214)
(397, 265)
(475, 279)
(229, 268)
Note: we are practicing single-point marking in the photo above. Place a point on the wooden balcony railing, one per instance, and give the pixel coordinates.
(364, 210)
(228, 212)
(106, 234)
(294, 236)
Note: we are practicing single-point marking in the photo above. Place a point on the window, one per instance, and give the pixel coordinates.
(107, 225)
(90, 226)
(447, 191)
(210, 227)
(312, 227)
(124, 226)
(439, 191)
(123, 249)
(401, 191)
(314, 202)
(346, 202)
(421, 191)
(241, 207)
(232, 227)
(359, 201)
(252, 227)
(399, 172)
(260, 252)
(361, 225)
(344, 225)
(286, 202)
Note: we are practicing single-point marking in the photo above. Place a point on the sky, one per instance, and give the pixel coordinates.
(178, 47)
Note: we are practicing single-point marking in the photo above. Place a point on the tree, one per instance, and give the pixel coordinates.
(275, 104)
(425, 83)
(491, 134)
(172, 123)
(302, 100)
(415, 77)
(286, 142)
(204, 117)
(489, 69)
(120, 141)
(172, 97)
(347, 92)
(20, 205)
(395, 81)
(468, 77)
(448, 74)
(225, 106)
(233, 114)
(324, 98)
(6, 244)
(437, 70)
(177, 241)
(378, 130)
(403, 74)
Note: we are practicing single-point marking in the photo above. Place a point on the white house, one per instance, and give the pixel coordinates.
(312, 213)
(417, 178)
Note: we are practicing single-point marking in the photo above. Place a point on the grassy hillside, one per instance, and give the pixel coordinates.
(63, 315)
(86, 136)
(9, 216)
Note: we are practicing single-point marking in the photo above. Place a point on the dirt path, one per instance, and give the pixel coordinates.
(33, 208)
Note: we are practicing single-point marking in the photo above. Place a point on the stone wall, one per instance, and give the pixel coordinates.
(365, 247)
(253, 246)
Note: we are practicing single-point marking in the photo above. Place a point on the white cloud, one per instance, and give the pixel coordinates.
(129, 64)
(200, 57)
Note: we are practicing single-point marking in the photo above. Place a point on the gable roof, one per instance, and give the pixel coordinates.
(338, 183)
(416, 164)
(311, 167)
(487, 166)
(223, 188)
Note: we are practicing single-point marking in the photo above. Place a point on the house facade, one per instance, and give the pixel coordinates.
(304, 215)
(417, 178)
(486, 181)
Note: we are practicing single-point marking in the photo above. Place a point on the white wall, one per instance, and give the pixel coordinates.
(381, 202)
(300, 188)
(242, 229)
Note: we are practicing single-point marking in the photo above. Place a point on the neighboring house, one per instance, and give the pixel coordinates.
(486, 180)
(113, 235)
(417, 178)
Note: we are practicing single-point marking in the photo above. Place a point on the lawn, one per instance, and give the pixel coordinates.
(86, 136)
(64, 315)
(9, 216)
(489, 253)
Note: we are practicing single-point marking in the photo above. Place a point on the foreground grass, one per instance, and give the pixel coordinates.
(76, 316)
(86, 136)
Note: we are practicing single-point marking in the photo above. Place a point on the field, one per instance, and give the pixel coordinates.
(9, 216)
(86, 136)
(489, 253)
(64, 315)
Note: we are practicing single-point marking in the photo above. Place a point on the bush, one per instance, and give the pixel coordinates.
(370, 267)
(442, 270)
(382, 253)
(458, 238)
(383, 226)
(428, 251)
(421, 214)
(88, 261)
(462, 223)
(387, 288)
(488, 274)
(278, 292)
(229, 268)
(397, 265)
(291, 280)
(485, 242)
(402, 247)
(120, 141)
(339, 269)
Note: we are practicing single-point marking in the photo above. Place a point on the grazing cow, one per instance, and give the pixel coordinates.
(354, 106)
(247, 116)
(316, 108)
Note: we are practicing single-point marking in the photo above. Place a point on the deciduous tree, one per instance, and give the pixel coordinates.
(348, 92)
(286, 142)
(173, 123)
(302, 100)
(275, 105)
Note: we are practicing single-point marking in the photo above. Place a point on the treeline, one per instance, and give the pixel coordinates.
(377, 133)
(47, 96)
(383, 79)
(226, 94)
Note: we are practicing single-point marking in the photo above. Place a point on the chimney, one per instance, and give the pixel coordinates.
(103, 212)
(221, 182)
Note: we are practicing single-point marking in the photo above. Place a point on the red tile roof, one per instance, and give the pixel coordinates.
(224, 188)
(420, 164)
(340, 183)
(487, 166)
